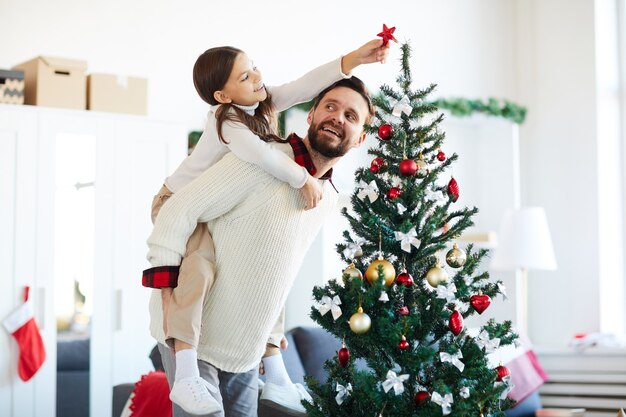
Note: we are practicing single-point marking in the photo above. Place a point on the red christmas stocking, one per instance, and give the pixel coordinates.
(21, 324)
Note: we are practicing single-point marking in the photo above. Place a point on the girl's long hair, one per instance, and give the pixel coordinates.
(210, 73)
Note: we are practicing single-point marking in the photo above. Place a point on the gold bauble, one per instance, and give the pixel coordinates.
(360, 322)
(352, 273)
(388, 271)
(456, 257)
(422, 168)
(437, 275)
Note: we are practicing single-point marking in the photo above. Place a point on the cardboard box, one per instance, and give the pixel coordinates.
(54, 82)
(107, 92)
(11, 87)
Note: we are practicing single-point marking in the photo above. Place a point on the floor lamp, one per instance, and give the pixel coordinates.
(524, 243)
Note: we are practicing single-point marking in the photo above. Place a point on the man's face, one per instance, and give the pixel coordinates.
(336, 124)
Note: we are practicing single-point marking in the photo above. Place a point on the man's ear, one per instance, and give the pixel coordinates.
(309, 117)
(221, 97)
(361, 139)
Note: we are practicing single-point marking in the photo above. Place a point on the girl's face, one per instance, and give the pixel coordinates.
(245, 84)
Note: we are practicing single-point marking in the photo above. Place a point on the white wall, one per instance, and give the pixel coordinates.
(539, 53)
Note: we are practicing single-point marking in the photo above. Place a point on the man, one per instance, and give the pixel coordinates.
(261, 235)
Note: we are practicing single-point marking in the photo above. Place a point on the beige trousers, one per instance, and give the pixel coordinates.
(182, 307)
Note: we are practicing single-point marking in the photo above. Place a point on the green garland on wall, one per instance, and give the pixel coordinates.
(462, 107)
(459, 107)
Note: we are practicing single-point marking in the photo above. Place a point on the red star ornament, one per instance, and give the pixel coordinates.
(387, 34)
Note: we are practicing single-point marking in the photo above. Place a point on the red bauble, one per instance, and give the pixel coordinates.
(403, 311)
(480, 302)
(344, 356)
(378, 163)
(503, 372)
(420, 397)
(441, 156)
(403, 345)
(394, 192)
(387, 34)
(408, 168)
(456, 322)
(453, 189)
(405, 279)
(385, 132)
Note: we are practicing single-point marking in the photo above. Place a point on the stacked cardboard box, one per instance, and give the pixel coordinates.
(111, 93)
(54, 82)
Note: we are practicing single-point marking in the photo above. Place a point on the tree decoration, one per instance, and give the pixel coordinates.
(404, 278)
(352, 273)
(372, 272)
(503, 372)
(393, 193)
(408, 168)
(480, 302)
(437, 275)
(441, 156)
(387, 34)
(456, 322)
(385, 132)
(422, 167)
(421, 397)
(377, 164)
(343, 355)
(453, 189)
(403, 344)
(456, 257)
(360, 322)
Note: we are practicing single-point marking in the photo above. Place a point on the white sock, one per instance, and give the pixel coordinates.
(186, 364)
(275, 371)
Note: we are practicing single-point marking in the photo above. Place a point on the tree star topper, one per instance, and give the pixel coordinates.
(387, 34)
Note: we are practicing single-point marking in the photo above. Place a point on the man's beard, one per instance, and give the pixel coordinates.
(324, 147)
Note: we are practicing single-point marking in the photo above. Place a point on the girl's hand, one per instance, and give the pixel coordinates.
(373, 51)
(311, 192)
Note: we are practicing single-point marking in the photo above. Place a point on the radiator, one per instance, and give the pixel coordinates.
(594, 379)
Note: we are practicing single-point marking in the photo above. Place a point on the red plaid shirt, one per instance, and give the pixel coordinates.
(167, 276)
(303, 158)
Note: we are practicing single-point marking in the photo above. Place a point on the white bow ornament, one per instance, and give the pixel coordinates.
(368, 190)
(407, 239)
(343, 393)
(454, 359)
(446, 291)
(332, 305)
(402, 106)
(395, 381)
(445, 402)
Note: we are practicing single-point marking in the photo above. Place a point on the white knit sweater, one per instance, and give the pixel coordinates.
(261, 235)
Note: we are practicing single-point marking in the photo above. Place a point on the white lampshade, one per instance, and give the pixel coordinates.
(524, 241)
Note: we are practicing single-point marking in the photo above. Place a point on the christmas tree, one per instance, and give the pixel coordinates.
(408, 326)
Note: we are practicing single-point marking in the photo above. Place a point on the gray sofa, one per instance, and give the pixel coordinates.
(309, 348)
(72, 378)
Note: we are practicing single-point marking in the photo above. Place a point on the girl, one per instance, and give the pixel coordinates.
(242, 120)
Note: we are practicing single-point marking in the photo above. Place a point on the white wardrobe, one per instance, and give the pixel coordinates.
(129, 157)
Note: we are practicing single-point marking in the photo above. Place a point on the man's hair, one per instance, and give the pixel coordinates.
(355, 84)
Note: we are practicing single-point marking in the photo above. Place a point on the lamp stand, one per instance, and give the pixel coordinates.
(521, 300)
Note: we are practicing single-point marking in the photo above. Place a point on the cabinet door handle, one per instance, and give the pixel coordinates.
(118, 310)
(41, 308)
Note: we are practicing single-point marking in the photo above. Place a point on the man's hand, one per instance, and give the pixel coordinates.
(311, 192)
(373, 51)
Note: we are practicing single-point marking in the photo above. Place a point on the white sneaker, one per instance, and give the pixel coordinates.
(286, 398)
(192, 395)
